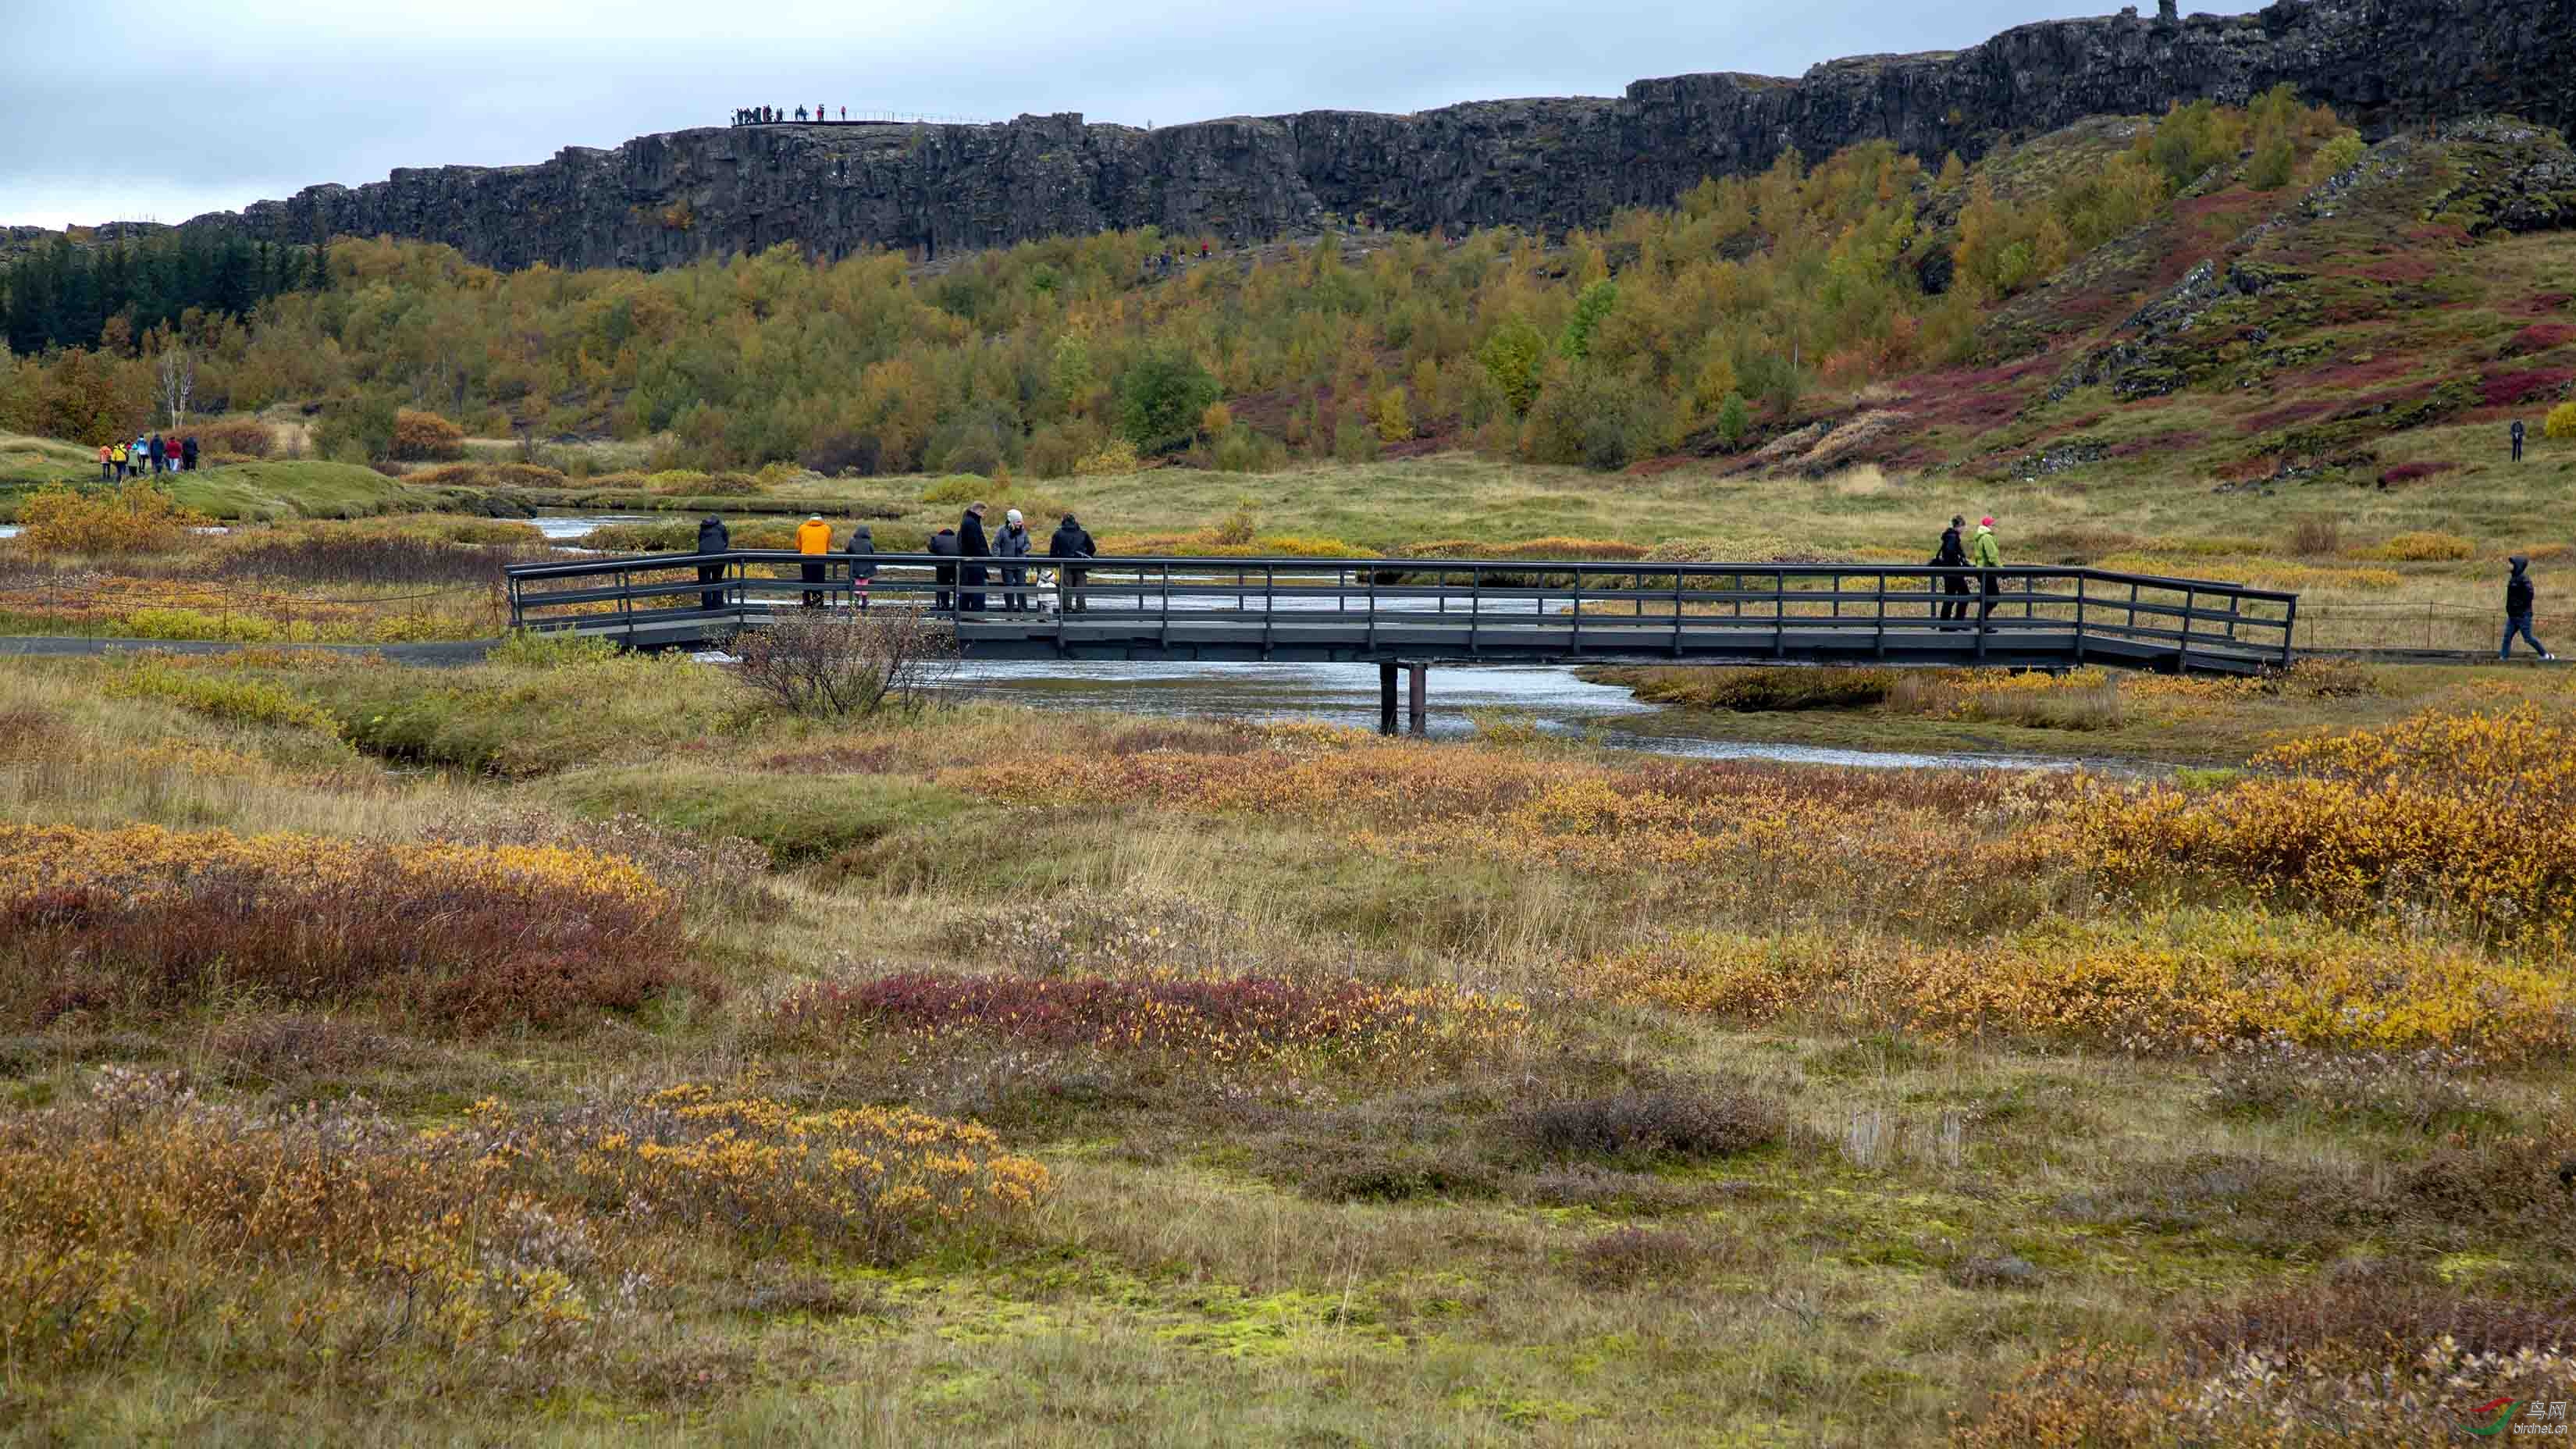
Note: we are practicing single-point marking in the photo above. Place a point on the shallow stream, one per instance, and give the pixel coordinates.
(1550, 697)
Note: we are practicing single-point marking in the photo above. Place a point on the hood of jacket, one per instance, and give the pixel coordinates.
(2519, 564)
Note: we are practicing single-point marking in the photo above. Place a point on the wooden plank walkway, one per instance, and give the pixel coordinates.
(1451, 611)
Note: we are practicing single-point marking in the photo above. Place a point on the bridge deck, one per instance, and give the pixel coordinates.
(1343, 609)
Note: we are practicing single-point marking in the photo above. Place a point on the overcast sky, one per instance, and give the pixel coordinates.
(154, 110)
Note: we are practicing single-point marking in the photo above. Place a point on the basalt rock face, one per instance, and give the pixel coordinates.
(1546, 164)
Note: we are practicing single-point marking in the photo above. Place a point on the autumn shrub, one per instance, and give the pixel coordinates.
(349, 556)
(2422, 547)
(1768, 690)
(240, 437)
(725, 877)
(426, 437)
(1646, 1128)
(140, 1220)
(2196, 982)
(832, 663)
(133, 518)
(2414, 1391)
(148, 920)
(2561, 422)
(870, 1181)
(198, 625)
(2464, 808)
(1214, 1023)
(1115, 456)
(230, 698)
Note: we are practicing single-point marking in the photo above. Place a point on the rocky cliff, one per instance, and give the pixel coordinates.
(666, 199)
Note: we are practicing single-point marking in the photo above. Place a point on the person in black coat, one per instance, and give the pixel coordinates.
(1070, 541)
(1953, 554)
(713, 538)
(2519, 598)
(862, 549)
(971, 543)
(944, 544)
(188, 454)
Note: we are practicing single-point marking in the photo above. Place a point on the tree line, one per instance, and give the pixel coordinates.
(68, 295)
(1687, 323)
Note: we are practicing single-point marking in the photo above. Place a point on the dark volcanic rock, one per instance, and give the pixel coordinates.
(1543, 164)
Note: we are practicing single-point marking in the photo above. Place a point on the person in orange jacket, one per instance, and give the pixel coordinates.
(814, 539)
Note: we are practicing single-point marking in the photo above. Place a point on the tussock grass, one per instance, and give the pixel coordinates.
(1844, 1099)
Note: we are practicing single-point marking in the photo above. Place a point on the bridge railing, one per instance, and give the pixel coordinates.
(1601, 606)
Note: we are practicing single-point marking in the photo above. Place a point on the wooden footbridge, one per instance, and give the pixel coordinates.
(1418, 612)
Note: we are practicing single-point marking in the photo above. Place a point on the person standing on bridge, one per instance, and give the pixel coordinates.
(944, 544)
(1070, 542)
(971, 543)
(1988, 556)
(813, 539)
(713, 538)
(863, 570)
(1014, 542)
(1953, 554)
(2518, 599)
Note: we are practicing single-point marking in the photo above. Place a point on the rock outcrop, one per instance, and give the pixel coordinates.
(665, 199)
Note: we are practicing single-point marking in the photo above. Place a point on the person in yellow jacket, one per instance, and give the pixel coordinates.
(116, 455)
(814, 539)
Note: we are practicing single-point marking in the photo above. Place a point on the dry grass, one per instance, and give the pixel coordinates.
(1733, 1187)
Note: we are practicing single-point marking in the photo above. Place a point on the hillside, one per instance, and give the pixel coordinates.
(1545, 164)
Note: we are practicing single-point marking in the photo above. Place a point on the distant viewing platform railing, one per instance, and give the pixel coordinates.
(1461, 609)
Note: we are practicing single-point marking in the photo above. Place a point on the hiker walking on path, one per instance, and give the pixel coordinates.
(713, 538)
(2517, 440)
(1953, 554)
(155, 447)
(1987, 556)
(188, 454)
(944, 544)
(106, 464)
(971, 543)
(1071, 542)
(2518, 595)
(116, 458)
(1013, 542)
(813, 539)
(863, 569)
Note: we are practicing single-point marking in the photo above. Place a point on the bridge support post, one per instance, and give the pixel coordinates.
(1418, 696)
(1386, 697)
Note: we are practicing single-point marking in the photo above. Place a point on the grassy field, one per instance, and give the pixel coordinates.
(1325, 1089)
(2416, 567)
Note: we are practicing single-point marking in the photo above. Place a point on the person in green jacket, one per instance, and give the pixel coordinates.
(1987, 555)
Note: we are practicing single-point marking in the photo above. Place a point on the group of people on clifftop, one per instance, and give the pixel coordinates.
(772, 115)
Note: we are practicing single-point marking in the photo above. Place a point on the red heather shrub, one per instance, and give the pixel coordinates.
(2505, 388)
(2410, 472)
(2540, 337)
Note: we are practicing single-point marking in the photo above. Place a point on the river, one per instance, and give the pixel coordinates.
(1551, 697)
